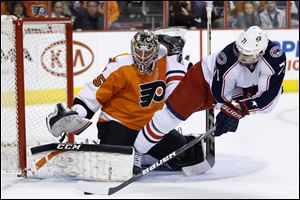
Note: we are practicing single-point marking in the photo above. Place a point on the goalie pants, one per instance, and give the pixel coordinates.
(114, 133)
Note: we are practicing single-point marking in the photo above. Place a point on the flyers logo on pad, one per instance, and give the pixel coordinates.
(152, 91)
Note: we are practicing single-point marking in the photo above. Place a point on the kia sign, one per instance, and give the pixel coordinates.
(53, 58)
(83, 57)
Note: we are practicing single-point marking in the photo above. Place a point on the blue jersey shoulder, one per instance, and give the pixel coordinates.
(224, 61)
(274, 56)
(226, 58)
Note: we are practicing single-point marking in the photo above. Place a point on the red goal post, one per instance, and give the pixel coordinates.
(36, 61)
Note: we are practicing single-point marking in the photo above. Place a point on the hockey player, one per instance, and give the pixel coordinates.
(130, 90)
(244, 78)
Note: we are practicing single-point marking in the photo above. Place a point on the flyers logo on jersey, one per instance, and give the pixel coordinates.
(154, 91)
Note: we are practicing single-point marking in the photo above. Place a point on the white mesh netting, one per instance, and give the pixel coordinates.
(45, 68)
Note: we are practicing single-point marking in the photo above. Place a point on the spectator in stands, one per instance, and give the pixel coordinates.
(235, 7)
(198, 12)
(66, 8)
(200, 15)
(92, 20)
(260, 6)
(4, 8)
(182, 15)
(248, 17)
(76, 6)
(77, 10)
(18, 9)
(272, 17)
(218, 14)
(57, 8)
(113, 14)
(295, 14)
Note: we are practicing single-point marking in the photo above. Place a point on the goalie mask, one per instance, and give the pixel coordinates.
(251, 45)
(144, 49)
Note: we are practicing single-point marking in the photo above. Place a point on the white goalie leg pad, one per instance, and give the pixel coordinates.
(107, 167)
(94, 166)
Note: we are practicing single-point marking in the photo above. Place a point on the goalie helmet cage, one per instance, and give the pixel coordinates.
(36, 73)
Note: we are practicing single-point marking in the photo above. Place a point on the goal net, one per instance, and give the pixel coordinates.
(36, 73)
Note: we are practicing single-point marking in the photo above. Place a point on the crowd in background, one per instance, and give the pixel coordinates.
(93, 15)
(267, 14)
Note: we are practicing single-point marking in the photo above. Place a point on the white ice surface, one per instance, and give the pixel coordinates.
(260, 160)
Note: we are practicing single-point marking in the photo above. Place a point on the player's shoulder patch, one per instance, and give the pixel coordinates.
(276, 52)
(226, 58)
(221, 58)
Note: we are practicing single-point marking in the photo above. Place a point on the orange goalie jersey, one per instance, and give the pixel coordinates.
(128, 96)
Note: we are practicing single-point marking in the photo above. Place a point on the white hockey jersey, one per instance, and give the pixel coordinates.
(230, 80)
(259, 86)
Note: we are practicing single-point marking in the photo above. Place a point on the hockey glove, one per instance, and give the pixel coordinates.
(63, 120)
(228, 118)
(174, 44)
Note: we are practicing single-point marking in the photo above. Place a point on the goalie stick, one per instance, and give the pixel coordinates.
(90, 188)
(209, 161)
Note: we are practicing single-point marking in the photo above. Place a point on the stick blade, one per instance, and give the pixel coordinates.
(197, 169)
(89, 188)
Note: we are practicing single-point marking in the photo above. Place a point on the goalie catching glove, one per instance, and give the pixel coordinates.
(63, 121)
(228, 118)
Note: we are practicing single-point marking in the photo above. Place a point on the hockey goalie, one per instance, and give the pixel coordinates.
(129, 91)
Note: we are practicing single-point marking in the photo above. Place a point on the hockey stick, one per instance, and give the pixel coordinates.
(210, 141)
(209, 113)
(209, 161)
(89, 188)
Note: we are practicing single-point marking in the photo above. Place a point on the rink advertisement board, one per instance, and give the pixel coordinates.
(92, 50)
